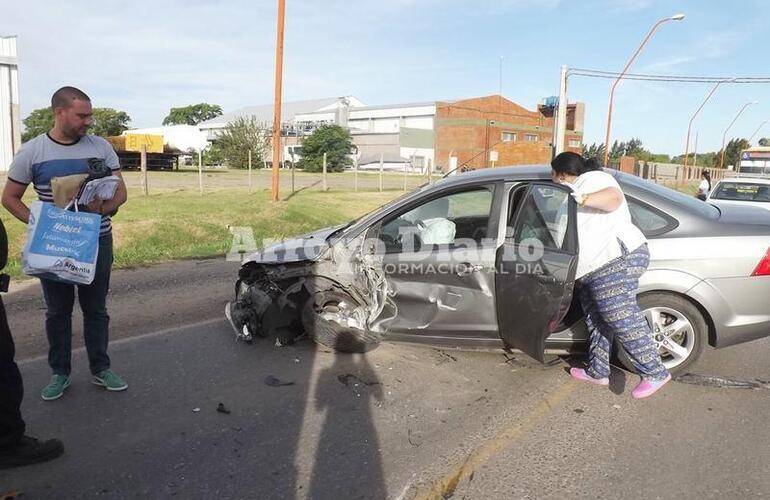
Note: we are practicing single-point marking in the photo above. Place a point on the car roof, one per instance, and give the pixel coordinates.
(497, 173)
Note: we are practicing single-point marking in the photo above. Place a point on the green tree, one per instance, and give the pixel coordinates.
(708, 159)
(635, 149)
(237, 139)
(109, 122)
(333, 140)
(617, 150)
(38, 122)
(764, 142)
(594, 151)
(733, 152)
(658, 158)
(192, 114)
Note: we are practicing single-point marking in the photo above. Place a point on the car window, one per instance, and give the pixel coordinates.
(543, 216)
(690, 203)
(648, 219)
(446, 220)
(742, 191)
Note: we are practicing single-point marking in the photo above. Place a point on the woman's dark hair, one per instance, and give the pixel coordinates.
(706, 175)
(573, 164)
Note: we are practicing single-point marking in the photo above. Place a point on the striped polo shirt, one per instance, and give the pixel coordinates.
(43, 158)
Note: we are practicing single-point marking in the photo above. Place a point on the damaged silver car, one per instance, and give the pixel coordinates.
(487, 259)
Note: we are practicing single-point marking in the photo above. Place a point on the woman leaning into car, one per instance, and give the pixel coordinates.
(613, 255)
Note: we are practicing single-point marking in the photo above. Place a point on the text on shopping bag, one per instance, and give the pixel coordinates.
(61, 233)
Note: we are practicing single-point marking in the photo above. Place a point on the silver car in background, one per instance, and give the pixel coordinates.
(741, 191)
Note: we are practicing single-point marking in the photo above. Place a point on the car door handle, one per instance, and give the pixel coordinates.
(546, 278)
(466, 268)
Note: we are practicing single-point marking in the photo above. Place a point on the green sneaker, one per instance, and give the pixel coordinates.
(110, 381)
(55, 387)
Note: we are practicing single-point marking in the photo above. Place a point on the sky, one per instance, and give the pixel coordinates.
(144, 57)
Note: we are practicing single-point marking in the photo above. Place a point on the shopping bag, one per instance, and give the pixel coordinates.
(61, 245)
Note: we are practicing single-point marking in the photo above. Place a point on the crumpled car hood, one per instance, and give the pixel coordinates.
(308, 247)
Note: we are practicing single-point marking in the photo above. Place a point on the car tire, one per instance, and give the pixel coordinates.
(323, 316)
(691, 339)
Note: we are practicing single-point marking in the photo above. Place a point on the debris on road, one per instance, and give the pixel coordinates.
(345, 380)
(409, 438)
(276, 382)
(221, 408)
(443, 357)
(196, 410)
(11, 495)
(724, 382)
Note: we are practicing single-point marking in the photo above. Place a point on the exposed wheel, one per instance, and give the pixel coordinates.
(335, 320)
(678, 330)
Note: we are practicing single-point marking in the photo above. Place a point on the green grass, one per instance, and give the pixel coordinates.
(184, 224)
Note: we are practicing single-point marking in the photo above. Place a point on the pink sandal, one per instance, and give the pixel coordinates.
(580, 374)
(647, 388)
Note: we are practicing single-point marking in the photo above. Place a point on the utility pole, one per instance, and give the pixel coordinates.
(277, 102)
(561, 118)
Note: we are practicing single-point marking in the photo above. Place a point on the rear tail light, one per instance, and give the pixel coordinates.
(763, 268)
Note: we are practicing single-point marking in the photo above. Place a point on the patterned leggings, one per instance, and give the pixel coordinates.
(608, 298)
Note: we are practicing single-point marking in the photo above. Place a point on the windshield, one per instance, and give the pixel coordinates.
(689, 202)
(742, 191)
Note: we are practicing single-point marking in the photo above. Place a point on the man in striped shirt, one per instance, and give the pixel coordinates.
(66, 150)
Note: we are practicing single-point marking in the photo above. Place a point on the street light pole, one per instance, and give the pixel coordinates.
(757, 130)
(724, 136)
(689, 125)
(677, 17)
(277, 102)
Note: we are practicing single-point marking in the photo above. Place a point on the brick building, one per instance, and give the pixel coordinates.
(472, 128)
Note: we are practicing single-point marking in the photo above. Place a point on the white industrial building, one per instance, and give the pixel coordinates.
(400, 135)
(10, 120)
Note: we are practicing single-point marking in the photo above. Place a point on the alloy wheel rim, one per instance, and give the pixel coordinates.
(672, 333)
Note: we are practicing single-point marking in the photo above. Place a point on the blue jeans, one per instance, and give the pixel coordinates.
(59, 300)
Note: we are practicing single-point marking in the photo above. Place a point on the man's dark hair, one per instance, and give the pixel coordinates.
(63, 97)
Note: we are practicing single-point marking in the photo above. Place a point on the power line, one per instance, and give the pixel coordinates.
(594, 73)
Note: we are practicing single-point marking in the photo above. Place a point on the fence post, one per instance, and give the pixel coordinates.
(325, 186)
(430, 171)
(200, 172)
(292, 177)
(355, 174)
(143, 167)
(249, 171)
(405, 176)
(382, 166)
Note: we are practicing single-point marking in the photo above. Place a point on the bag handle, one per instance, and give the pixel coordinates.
(71, 204)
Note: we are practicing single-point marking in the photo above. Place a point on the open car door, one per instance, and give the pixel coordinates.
(536, 265)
